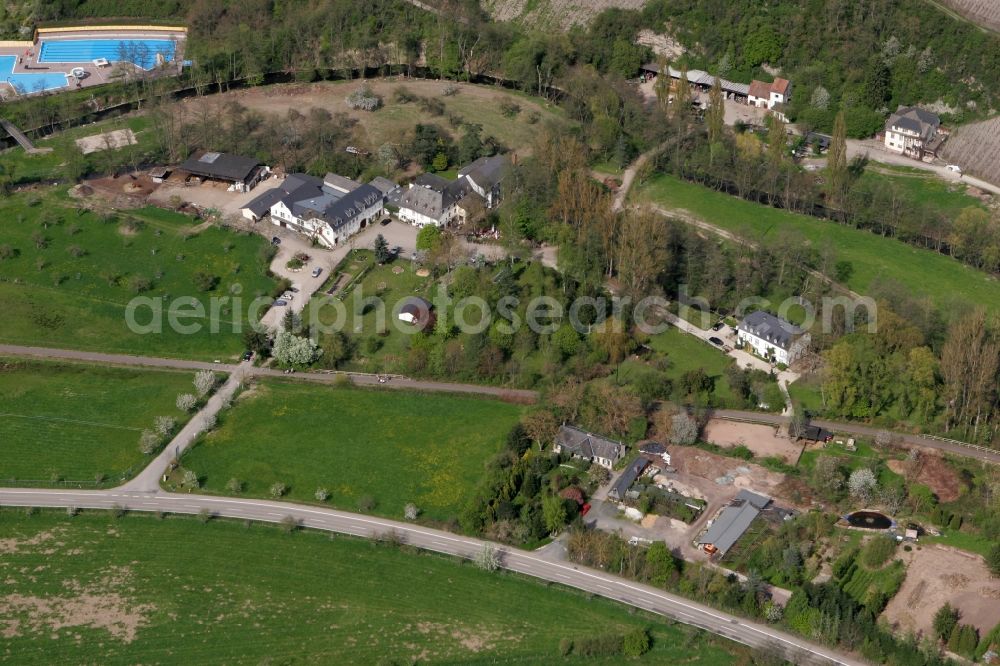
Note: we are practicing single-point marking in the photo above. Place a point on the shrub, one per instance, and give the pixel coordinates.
(190, 479)
(403, 95)
(367, 503)
(234, 485)
(278, 489)
(149, 441)
(509, 108)
(364, 99)
(164, 425)
(636, 643)
(186, 402)
(411, 511)
(322, 494)
(877, 551)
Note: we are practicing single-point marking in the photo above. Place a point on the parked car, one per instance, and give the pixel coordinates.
(316, 272)
(247, 355)
(716, 341)
(954, 167)
(718, 325)
(288, 296)
(275, 240)
(385, 221)
(280, 302)
(294, 289)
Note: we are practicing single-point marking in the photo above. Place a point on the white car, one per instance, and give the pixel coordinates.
(288, 296)
(954, 167)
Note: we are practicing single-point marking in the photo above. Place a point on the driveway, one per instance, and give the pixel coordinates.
(877, 152)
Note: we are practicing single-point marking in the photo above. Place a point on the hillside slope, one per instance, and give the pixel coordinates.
(553, 13)
(985, 13)
(976, 148)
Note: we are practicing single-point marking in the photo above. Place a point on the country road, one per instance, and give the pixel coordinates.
(597, 582)
(247, 370)
(922, 441)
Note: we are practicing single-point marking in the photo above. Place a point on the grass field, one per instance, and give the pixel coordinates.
(363, 323)
(394, 122)
(873, 257)
(47, 166)
(392, 446)
(69, 274)
(90, 589)
(70, 422)
(925, 188)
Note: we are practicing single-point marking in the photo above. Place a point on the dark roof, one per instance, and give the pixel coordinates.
(815, 433)
(915, 119)
(588, 445)
(628, 477)
(347, 207)
(221, 165)
(431, 195)
(654, 448)
(755, 499)
(486, 172)
(766, 326)
(729, 526)
(296, 186)
(416, 306)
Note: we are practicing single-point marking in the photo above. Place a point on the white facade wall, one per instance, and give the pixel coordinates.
(765, 349)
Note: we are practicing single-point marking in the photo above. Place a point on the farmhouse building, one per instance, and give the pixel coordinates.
(732, 522)
(771, 338)
(588, 446)
(484, 177)
(703, 81)
(330, 209)
(241, 173)
(431, 200)
(627, 478)
(910, 130)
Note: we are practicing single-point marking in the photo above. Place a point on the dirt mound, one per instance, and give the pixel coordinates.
(933, 472)
(81, 191)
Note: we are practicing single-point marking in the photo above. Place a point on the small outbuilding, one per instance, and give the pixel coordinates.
(241, 173)
(415, 310)
(627, 478)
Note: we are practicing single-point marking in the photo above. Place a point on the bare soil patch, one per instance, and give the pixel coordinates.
(106, 141)
(13, 545)
(937, 574)
(763, 440)
(932, 471)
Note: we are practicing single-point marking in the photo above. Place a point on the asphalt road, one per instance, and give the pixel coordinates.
(590, 580)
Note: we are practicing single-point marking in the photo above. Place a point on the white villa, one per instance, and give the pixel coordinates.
(772, 338)
(330, 209)
(909, 130)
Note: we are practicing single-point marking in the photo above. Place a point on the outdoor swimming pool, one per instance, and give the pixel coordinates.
(142, 52)
(29, 83)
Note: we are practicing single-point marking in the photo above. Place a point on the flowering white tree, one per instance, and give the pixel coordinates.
(164, 425)
(488, 559)
(820, 98)
(410, 511)
(149, 441)
(204, 382)
(278, 490)
(684, 429)
(322, 494)
(291, 349)
(186, 402)
(862, 484)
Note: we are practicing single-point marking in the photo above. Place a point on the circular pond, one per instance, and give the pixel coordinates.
(872, 520)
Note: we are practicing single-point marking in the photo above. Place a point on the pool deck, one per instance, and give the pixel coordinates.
(27, 57)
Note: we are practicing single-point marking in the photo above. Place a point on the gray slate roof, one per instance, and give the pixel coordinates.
(915, 119)
(653, 448)
(755, 499)
(221, 165)
(588, 445)
(701, 78)
(729, 526)
(766, 326)
(341, 182)
(486, 172)
(309, 197)
(628, 477)
(431, 195)
(296, 186)
(383, 184)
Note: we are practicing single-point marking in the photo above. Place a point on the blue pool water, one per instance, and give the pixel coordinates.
(28, 83)
(141, 52)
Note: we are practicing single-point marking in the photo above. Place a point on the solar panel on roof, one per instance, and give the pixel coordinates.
(209, 158)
